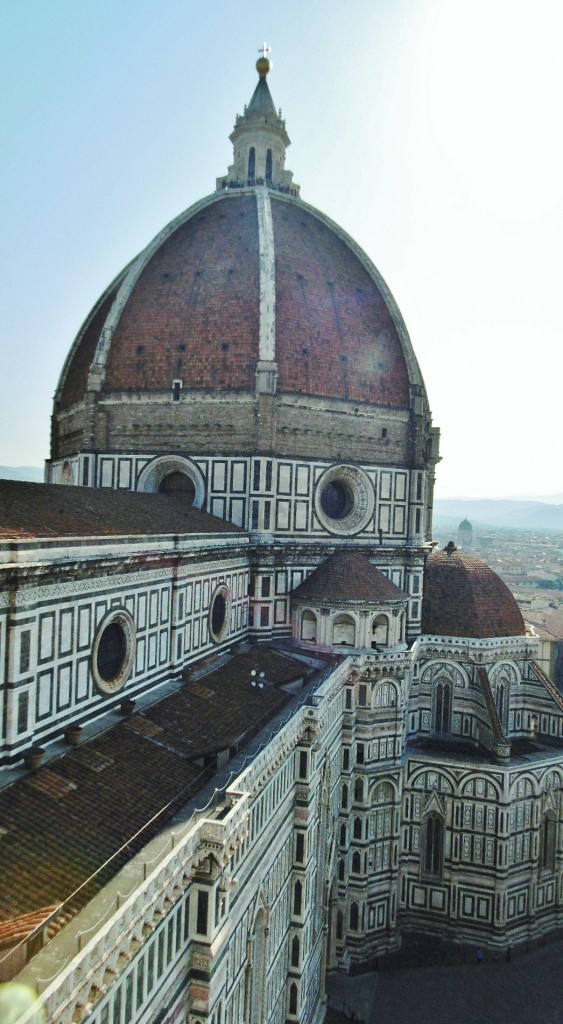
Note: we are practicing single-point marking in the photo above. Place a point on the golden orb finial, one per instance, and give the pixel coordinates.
(263, 65)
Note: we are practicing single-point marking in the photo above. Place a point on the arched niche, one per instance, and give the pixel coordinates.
(309, 626)
(343, 631)
(67, 475)
(380, 631)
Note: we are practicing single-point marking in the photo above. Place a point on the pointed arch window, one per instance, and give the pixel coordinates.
(443, 708)
(293, 998)
(258, 961)
(359, 790)
(268, 165)
(354, 917)
(502, 703)
(295, 952)
(547, 843)
(356, 863)
(297, 898)
(252, 163)
(433, 846)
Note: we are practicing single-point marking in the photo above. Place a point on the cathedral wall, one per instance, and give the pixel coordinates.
(235, 423)
(276, 497)
(481, 851)
(54, 631)
(368, 859)
(280, 502)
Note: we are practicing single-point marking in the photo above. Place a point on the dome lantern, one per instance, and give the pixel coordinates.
(259, 140)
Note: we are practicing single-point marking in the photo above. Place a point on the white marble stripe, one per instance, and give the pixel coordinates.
(267, 349)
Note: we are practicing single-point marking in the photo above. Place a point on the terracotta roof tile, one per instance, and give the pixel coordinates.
(103, 801)
(19, 928)
(464, 597)
(335, 336)
(194, 312)
(348, 577)
(52, 510)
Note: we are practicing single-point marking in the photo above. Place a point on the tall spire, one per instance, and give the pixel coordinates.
(260, 140)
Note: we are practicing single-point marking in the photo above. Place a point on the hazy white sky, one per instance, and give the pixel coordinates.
(429, 129)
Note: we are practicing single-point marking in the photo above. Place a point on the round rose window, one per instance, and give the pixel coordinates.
(113, 651)
(219, 613)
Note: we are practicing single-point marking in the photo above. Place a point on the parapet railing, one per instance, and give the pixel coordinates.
(277, 186)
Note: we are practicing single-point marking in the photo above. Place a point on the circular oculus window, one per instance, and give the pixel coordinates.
(344, 500)
(113, 651)
(176, 476)
(220, 613)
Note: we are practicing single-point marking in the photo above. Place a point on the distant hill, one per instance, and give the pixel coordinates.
(505, 513)
(32, 473)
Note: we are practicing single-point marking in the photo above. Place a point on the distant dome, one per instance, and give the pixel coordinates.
(464, 597)
(465, 526)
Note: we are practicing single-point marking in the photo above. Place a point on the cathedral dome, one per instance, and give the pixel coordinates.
(245, 325)
(464, 597)
(205, 304)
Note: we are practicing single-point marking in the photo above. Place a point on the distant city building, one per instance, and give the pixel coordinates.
(550, 651)
(254, 728)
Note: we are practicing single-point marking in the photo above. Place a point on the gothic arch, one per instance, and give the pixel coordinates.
(456, 674)
(383, 791)
(552, 778)
(442, 775)
(385, 694)
(525, 786)
(467, 786)
(505, 670)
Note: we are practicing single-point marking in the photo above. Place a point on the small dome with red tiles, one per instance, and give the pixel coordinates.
(464, 597)
(348, 578)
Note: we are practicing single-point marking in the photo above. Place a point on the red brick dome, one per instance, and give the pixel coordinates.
(193, 306)
(464, 597)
